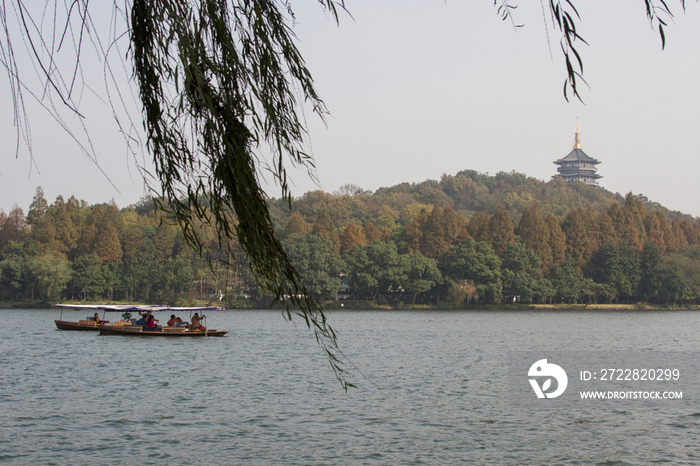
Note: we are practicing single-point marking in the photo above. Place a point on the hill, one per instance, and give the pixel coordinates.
(468, 238)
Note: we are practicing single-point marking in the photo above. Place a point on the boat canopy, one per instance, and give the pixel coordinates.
(137, 307)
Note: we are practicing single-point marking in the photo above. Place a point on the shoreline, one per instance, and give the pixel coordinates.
(348, 305)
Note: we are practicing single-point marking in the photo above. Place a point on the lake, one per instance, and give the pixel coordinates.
(435, 387)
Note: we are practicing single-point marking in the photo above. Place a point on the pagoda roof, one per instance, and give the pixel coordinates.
(577, 155)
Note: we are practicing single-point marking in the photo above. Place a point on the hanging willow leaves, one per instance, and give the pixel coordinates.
(216, 79)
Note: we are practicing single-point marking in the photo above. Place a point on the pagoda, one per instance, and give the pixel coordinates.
(577, 166)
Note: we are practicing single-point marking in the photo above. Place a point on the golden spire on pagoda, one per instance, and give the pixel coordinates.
(577, 143)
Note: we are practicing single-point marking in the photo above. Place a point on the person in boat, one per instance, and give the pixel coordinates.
(197, 323)
(151, 323)
(174, 321)
(96, 317)
(144, 318)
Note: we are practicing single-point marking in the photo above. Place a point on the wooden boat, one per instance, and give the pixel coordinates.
(126, 327)
(167, 332)
(89, 325)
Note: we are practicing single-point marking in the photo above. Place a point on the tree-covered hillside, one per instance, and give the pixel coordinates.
(468, 238)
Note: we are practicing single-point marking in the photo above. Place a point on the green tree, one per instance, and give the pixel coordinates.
(376, 269)
(422, 275)
(50, 275)
(567, 280)
(88, 276)
(15, 276)
(318, 263)
(473, 262)
(521, 269)
(617, 265)
(650, 273)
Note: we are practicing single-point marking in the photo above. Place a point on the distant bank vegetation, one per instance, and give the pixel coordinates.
(466, 240)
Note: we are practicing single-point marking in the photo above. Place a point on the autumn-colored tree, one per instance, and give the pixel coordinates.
(414, 232)
(130, 240)
(324, 227)
(352, 236)
(340, 215)
(691, 231)
(478, 226)
(578, 242)
(106, 245)
(164, 241)
(13, 227)
(39, 208)
(296, 225)
(654, 232)
(534, 232)
(604, 229)
(433, 241)
(557, 239)
(372, 233)
(625, 227)
(679, 235)
(500, 232)
(636, 207)
(78, 211)
(65, 233)
(455, 225)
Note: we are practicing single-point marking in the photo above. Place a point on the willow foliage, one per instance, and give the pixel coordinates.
(217, 78)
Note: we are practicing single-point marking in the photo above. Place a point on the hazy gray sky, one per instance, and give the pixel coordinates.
(418, 88)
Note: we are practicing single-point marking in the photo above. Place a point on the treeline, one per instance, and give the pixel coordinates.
(468, 238)
(71, 250)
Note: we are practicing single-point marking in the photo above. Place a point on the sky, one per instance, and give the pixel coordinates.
(421, 88)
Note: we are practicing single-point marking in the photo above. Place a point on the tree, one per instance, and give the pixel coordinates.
(318, 263)
(474, 262)
(13, 227)
(650, 269)
(500, 232)
(578, 242)
(435, 238)
(376, 268)
(296, 225)
(88, 276)
(352, 236)
(50, 274)
(372, 233)
(520, 269)
(533, 231)
(324, 227)
(422, 275)
(66, 235)
(617, 265)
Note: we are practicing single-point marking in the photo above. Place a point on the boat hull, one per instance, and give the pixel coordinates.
(105, 330)
(66, 325)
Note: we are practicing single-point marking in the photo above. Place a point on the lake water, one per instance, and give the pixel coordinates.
(435, 388)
